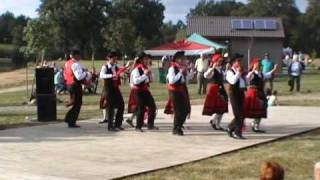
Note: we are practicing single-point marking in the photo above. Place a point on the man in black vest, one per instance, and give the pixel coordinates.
(141, 78)
(110, 73)
(236, 90)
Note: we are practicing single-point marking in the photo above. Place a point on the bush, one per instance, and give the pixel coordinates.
(6, 50)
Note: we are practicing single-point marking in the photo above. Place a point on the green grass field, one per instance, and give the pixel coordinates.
(296, 154)
(310, 87)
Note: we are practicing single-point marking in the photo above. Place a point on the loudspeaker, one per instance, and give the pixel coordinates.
(47, 107)
(45, 81)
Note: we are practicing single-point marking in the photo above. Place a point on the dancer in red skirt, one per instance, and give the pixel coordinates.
(179, 102)
(256, 103)
(217, 99)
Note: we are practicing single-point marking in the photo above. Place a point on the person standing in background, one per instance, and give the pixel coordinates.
(267, 66)
(295, 70)
(201, 66)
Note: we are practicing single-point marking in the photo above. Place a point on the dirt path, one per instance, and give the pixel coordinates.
(13, 89)
(15, 78)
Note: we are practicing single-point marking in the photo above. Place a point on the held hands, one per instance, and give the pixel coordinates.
(147, 72)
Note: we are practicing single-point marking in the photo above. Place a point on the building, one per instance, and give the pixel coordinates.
(250, 36)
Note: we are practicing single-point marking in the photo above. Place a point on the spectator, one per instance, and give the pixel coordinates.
(295, 70)
(272, 97)
(59, 81)
(271, 171)
(267, 66)
(201, 66)
(317, 171)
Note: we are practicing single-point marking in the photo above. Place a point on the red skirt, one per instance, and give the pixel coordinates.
(254, 104)
(215, 102)
(132, 104)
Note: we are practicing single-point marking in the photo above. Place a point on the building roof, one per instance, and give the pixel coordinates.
(218, 26)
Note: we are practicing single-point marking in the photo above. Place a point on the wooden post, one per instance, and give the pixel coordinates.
(27, 84)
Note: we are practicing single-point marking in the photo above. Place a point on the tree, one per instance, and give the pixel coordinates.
(311, 33)
(146, 17)
(76, 23)
(37, 36)
(121, 36)
(216, 8)
(7, 23)
(285, 9)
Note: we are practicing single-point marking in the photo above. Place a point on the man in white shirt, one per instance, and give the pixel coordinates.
(76, 76)
(201, 66)
(141, 77)
(295, 71)
(236, 90)
(179, 101)
(110, 73)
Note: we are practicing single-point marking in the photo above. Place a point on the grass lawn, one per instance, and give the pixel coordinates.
(296, 154)
(310, 87)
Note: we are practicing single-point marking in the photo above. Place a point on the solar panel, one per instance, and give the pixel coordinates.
(265, 24)
(247, 24)
(271, 25)
(236, 24)
(242, 24)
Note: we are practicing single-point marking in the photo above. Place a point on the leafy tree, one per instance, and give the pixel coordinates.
(286, 9)
(217, 8)
(76, 22)
(146, 17)
(311, 33)
(121, 35)
(7, 23)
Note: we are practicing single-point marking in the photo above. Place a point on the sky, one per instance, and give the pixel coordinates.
(175, 9)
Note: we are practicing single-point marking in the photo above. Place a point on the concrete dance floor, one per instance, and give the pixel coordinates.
(55, 152)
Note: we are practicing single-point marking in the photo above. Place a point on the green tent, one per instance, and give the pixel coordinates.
(197, 38)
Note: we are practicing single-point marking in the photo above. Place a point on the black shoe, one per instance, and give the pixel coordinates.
(129, 121)
(139, 130)
(220, 129)
(119, 128)
(112, 129)
(153, 128)
(180, 132)
(213, 125)
(238, 136)
(230, 132)
(73, 126)
(103, 121)
(256, 130)
(174, 131)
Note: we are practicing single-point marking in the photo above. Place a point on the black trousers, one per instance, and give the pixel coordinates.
(76, 95)
(180, 109)
(237, 101)
(295, 80)
(145, 99)
(115, 101)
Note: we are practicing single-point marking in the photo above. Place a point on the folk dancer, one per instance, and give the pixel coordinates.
(141, 79)
(179, 101)
(75, 76)
(111, 96)
(256, 103)
(236, 92)
(216, 101)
